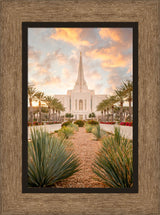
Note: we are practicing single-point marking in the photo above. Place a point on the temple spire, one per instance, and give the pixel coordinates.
(80, 83)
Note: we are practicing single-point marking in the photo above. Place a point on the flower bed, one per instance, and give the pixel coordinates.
(127, 123)
(108, 123)
(35, 123)
(92, 122)
(42, 123)
(55, 122)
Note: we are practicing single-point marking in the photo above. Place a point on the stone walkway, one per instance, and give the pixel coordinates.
(85, 146)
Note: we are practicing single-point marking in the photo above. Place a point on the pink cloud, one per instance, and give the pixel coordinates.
(57, 55)
(33, 54)
(66, 74)
(48, 80)
(114, 80)
(93, 75)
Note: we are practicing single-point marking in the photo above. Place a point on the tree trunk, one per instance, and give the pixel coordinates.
(53, 114)
(56, 115)
(130, 111)
(31, 111)
(112, 113)
(49, 113)
(59, 115)
(107, 114)
(104, 115)
(121, 112)
(40, 116)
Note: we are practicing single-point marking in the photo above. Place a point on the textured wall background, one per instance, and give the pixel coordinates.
(13, 13)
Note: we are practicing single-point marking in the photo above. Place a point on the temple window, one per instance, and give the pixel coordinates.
(80, 104)
(85, 104)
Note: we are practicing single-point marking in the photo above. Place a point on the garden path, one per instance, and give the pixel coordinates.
(85, 146)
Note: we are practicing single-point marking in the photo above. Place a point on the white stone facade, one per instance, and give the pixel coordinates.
(81, 101)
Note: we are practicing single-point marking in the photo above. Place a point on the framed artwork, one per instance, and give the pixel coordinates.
(95, 110)
(79, 53)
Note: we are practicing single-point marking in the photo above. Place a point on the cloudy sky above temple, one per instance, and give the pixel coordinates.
(53, 58)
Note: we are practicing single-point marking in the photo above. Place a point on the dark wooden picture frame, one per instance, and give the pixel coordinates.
(13, 13)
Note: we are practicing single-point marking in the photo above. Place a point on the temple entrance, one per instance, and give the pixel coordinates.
(81, 117)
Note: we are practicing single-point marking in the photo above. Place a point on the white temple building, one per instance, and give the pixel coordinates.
(80, 101)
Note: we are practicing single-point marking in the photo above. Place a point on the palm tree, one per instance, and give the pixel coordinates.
(40, 97)
(48, 101)
(106, 104)
(127, 87)
(54, 105)
(60, 108)
(31, 97)
(111, 101)
(104, 108)
(100, 107)
(120, 95)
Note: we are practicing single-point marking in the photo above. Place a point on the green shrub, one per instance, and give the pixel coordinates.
(74, 126)
(114, 162)
(66, 131)
(98, 132)
(80, 123)
(49, 161)
(56, 131)
(93, 122)
(66, 123)
(89, 128)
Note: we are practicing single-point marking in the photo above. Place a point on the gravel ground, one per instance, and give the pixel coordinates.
(85, 146)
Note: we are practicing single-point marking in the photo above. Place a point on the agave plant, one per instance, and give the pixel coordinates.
(98, 132)
(66, 131)
(114, 162)
(49, 161)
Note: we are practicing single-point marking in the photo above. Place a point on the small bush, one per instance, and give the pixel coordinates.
(66, 123)
(89, 128)
(114, 161)
(92, 122)
(66, 131)
(74, 126)
(108, 123)
(35, 123)
(49, 160)
(56, 131)
(80, 123)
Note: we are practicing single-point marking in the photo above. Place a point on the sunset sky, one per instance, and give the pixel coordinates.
(54, 57)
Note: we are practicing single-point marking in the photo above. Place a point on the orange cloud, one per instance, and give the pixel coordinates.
(114, 34)
(110, 57)
(70, 35)
(119, 35)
